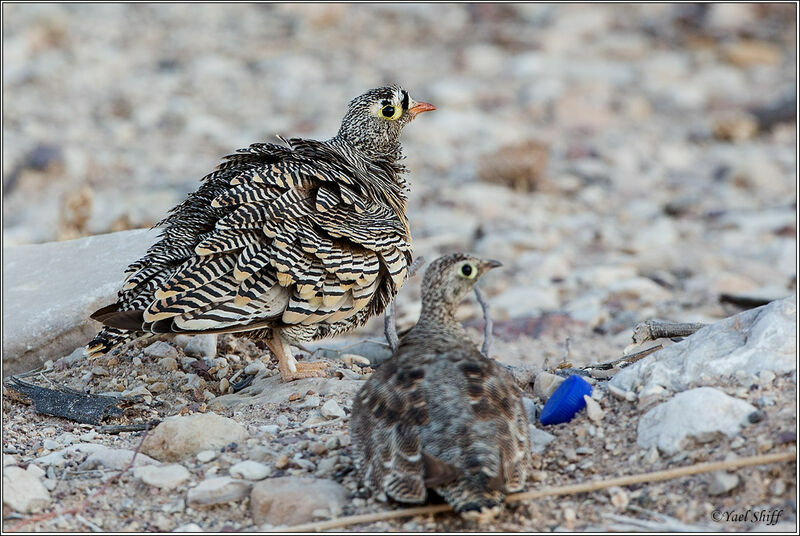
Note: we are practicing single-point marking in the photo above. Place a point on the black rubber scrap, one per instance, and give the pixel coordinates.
(72, 405)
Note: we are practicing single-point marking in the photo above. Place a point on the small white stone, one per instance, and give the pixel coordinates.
(545, 384)
(593, 409)
(616, 392)
(189, 527)
(737, 443)
(35, 470)
(250, 470)
(271, 429)
(51, 444)
(255, 367)
(22, 491)
(282, 421)
(206, 456)
(539, 439)
(310, 402)
(765, 377)
(9, 459)
(88, 436)
(162, 476)
(332, 410)
(218, 491)
(722, 482)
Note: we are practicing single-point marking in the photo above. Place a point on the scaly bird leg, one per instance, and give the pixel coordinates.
(389, 328)
(289, 368)
(389, 325)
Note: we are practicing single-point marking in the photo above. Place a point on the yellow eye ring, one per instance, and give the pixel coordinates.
(391, 112)
(468, 271)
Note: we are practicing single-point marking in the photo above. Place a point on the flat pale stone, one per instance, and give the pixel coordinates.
(218, 491)
(49, 291)
(250, 470)
(162, 476)
(179, 437)
(23, 491)
(293, 500)
(703, 414)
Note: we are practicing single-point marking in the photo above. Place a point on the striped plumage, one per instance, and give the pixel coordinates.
(439, 414)
(286, 243)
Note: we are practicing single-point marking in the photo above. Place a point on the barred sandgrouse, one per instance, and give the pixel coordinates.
(439, 414)
(282, 242)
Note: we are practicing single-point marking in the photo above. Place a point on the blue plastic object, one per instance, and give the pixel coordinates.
(566, 401)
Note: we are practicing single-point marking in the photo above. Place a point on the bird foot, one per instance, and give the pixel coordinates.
(305, 370)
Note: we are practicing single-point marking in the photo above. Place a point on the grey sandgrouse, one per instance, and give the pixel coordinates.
(286, 243)
(439, 414)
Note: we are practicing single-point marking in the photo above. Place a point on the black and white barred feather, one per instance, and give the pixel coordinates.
(309, 237)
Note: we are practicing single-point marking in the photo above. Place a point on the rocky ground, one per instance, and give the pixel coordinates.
(623, 162)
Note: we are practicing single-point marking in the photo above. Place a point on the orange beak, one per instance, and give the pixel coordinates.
(420, 107)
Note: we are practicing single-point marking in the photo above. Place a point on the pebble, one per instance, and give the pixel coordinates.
(218, 490)
(204, 346)
(189, 527)
(179, 437)
(619, 497)
(737, 443)
(593, 409)
(205, 456)
(9, 459)
(327, 465)
(282, 421)
(778, 487)
(35, 470)
(332, 410)
(651, 456)
(270, 429)
(282, 461)
(23, 491)
(765, 378)
(255, 367)
(51, 444)
(162, 476)
(294, 500)
(161, 350)
(88, 436)
(539, 439)
(545, 384)
(168, 363)
(701, 414)
(765, 401)
(250, 470)
(722, 482)
(310, 402)
(224, 385)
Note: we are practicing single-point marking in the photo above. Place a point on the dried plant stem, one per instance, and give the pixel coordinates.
(571, 489)
(652, 330)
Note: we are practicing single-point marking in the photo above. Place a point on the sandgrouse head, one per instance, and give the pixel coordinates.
(375, 119)
(450, 278)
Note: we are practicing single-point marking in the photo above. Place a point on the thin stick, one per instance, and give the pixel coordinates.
(626, 360)
(572, 489)
(652, 330)
(487, 323)
(83, 504)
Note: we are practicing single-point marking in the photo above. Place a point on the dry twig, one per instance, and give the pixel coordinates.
(572, 489)
(652, 330)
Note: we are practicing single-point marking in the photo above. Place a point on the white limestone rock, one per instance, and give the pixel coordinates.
(752, 341)
(49, 291)
(703, 414)
(179, 437)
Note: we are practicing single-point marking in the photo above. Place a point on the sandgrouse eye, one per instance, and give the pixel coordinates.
(271, 245)
(466, 270)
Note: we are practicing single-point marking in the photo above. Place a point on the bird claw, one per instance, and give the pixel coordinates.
(306, 370)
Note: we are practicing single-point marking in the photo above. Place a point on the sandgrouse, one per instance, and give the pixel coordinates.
(285, 243)
(439, 414)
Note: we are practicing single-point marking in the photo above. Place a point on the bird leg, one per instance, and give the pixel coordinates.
(389, 328)
(487, 323)
(289, 368)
